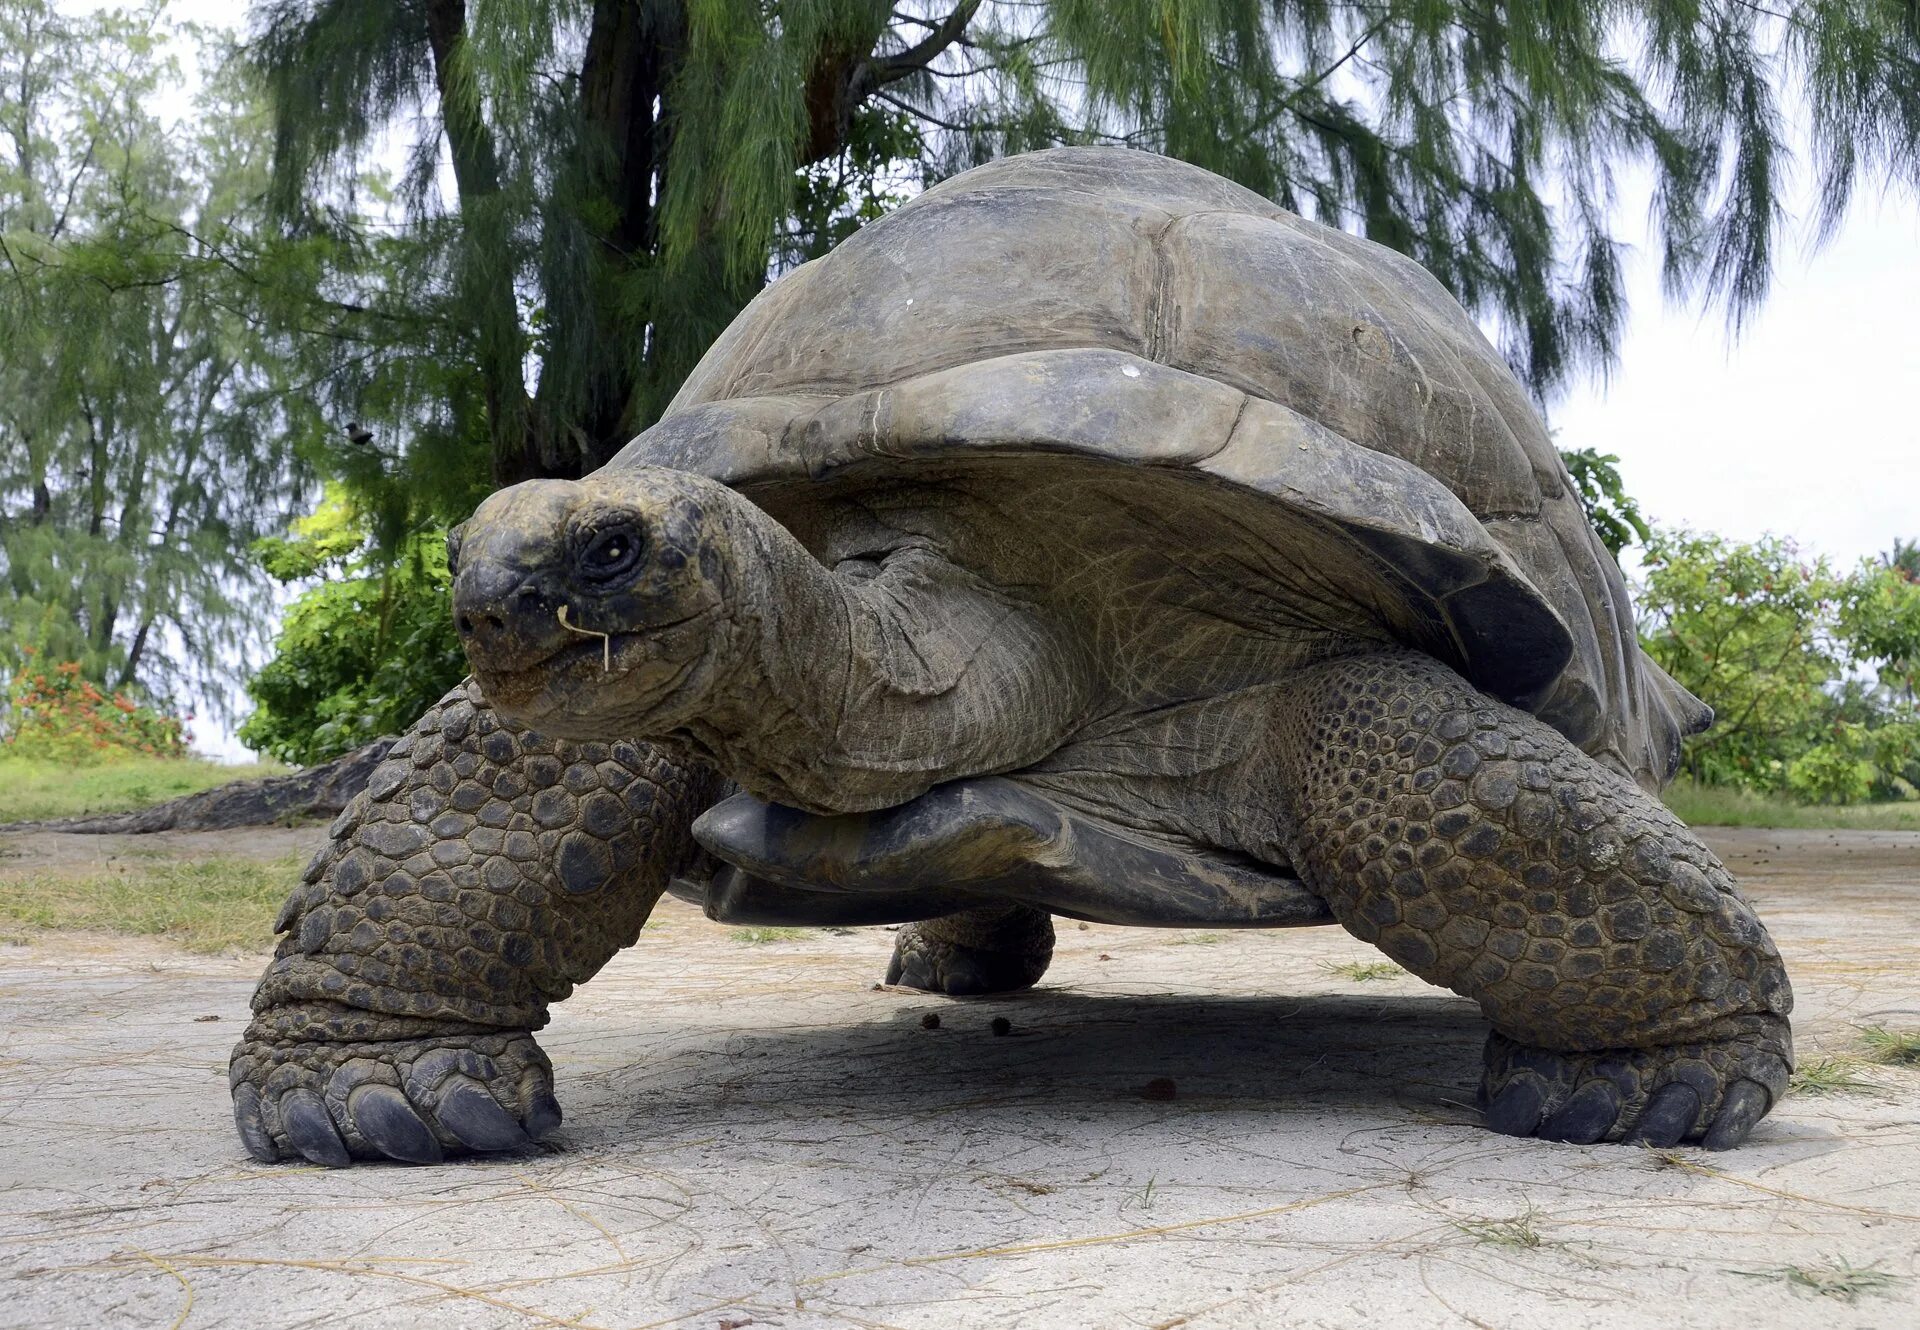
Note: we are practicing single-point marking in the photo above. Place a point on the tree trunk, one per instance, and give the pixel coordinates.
(476, 172)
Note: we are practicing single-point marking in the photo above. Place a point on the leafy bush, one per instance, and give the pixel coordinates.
(53, 713)
(1830, 773)
(1603, 496)
(1804, 666)
(363, 652)
(1753, 629)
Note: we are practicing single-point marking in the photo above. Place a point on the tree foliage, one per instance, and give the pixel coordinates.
(622, 174)
(1615, 515)
(144, 424)
(363, 652)
(1786, 650)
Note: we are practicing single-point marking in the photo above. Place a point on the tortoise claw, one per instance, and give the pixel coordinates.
(1745, 1104)
(1588, 1115)
(543, 1115)
(1516, 1110)
(1669, 1115)
(252, 1128)
(310, 1129)
(476, 1118)
(389, 1124)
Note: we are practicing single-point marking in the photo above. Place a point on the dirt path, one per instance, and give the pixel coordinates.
(757, 1137)
(62, 852)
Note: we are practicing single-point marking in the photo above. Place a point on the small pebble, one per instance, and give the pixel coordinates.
(202, 1020)
(930, 1021)
(1160, 1087)
(878, 988)
(1001, 1025)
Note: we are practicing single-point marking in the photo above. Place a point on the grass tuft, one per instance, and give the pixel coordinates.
(207, 905)
(32, 790)
(1836, 1279)
(756, 936)
(1516, 1232)
(1892, 1048)
(1829, 1075)
(1667, 1158)
(1363, 972)
(1721, 806)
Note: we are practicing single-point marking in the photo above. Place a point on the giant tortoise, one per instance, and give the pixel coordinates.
(1089, 537)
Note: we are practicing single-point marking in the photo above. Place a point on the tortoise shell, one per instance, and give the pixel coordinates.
(1129, 308)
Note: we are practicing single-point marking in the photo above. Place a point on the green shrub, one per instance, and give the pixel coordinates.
(1802, 665)
(364, 651)
(1830, 773)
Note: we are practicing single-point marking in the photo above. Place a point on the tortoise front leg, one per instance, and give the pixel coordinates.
(483, 873)
(1633, 993)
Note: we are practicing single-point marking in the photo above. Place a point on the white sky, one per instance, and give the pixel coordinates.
(1805, 426)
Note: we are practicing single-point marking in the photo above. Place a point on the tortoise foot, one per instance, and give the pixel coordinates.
(417, 1101)
(1710, 1092)
(971, 954)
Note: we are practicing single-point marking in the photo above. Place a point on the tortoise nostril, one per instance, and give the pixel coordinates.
(464, 625)
(496, 623)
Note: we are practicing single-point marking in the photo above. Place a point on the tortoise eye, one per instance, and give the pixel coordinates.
(609, 552)
(453, 549)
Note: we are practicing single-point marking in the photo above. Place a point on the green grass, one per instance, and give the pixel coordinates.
(1893, 1048)
(1516, 1232)
(1837, 1279)
(1363, 972)
(31, 790)
(753, 937)
(209, 905)
(1830, 1075)
(1720, 806)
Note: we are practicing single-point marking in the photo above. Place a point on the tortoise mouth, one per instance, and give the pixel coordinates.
(568, 680)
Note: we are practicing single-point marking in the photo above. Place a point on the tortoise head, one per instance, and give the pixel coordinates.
(598, 606)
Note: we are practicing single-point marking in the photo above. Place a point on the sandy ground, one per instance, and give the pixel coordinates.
(757, 1137)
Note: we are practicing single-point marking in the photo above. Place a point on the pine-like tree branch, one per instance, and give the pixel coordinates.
(872, 74)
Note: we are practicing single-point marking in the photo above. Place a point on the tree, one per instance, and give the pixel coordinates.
(362, 653)
(1883, 615)
(593, 189)
(621, 175)
(1780, 645)
(144, 432)
(1615, 515)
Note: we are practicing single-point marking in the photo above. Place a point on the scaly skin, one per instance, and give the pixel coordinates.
(998, 949)
(1633, 993)
(483, 873)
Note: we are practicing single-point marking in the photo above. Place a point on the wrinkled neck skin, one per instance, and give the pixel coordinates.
(860, 687)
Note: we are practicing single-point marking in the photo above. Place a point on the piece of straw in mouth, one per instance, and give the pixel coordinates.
(606, 640)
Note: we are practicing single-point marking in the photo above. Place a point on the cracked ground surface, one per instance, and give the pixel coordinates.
(755, 1136)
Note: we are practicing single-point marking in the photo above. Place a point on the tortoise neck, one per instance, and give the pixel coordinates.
(861, 689)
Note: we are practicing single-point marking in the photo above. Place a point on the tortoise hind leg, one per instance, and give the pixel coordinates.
(997, 949)
(1633, 993)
